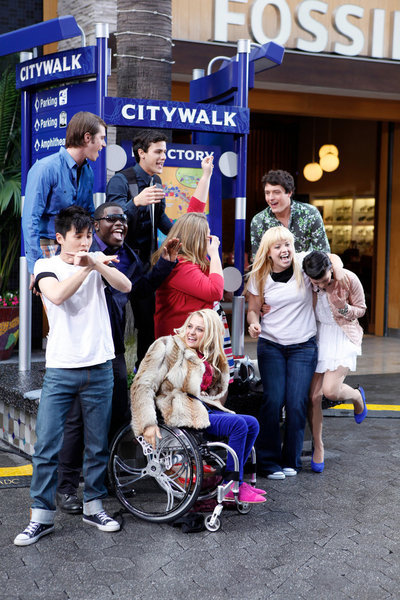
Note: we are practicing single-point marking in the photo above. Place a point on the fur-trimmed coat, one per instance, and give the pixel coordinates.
(167, 374)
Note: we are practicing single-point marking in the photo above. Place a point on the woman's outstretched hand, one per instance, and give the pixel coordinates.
(207, 164)
(171, 249)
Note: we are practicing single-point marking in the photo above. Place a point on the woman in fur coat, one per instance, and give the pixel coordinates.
(185, 376)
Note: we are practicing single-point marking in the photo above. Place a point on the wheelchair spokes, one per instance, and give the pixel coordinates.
(163, 484)
(156, 484)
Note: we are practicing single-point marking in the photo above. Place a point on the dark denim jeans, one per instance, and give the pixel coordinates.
(286, 373)
(71, 454)
(93, 386)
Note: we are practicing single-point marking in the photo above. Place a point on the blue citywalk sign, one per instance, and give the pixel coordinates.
(70, 64)
(53, 30)
(176, 115)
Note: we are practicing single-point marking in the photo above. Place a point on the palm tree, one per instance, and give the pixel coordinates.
(10, 175)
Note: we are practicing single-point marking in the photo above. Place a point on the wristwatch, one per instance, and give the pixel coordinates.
(344, 311)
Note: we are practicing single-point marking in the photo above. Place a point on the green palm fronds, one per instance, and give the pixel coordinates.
(9, 106)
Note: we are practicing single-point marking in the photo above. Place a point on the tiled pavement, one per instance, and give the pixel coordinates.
(328, 536)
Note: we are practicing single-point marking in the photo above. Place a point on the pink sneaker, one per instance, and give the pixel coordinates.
(246, 495)
(253, 489)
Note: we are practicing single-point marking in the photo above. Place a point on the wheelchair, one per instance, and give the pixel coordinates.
(162, 485)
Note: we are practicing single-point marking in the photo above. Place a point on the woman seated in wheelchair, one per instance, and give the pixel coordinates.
(185, 376)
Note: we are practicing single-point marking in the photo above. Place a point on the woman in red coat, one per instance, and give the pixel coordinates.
(197, 280)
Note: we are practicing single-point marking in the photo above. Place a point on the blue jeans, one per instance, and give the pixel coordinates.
(241, 430)
(71, 453)
(286, 373)
(93, 386)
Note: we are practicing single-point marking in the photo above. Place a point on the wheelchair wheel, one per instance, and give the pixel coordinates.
(157, 485)
(243, 508)
(212, 525)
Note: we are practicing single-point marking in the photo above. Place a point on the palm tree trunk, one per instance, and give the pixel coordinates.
(144, 51)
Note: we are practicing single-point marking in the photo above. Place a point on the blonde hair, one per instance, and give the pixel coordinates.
(212, 344)
(191, 230)
(263, 265)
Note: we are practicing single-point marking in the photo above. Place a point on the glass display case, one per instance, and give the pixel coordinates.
(348, 219)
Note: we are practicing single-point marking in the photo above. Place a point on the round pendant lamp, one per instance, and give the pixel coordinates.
(329, 162)
(328, 149)
(312, 171)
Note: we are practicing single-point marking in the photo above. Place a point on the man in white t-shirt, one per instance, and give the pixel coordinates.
(78, 363)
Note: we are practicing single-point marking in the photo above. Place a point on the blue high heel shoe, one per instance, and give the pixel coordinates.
(361, 416)
(317, 467)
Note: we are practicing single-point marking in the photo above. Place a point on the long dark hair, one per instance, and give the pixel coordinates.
(316, 264)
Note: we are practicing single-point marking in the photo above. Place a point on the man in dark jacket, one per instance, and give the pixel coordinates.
(138, 190)
(110, 229)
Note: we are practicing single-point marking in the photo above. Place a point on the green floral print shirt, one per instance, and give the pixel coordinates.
(305, 223)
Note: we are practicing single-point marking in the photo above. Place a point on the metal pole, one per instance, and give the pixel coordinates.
(25, 297)
(102, 35)
(389, 182)
(238, 316)
(197, 73)
(243, 49)
(25, 317)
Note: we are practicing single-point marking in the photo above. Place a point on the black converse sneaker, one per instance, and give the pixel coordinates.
(32, 533)
(102, 521)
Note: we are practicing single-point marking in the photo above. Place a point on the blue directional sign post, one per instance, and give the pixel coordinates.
(46, 110)
(230, 85)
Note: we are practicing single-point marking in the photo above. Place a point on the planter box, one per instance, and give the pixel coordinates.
(19, 400)
(9, 329)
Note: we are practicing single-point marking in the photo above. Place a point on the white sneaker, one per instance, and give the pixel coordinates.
(289, 472)
(102, 521)
(33, 533)
(276, 475)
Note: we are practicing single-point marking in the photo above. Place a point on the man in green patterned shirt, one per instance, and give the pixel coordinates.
(303, 220)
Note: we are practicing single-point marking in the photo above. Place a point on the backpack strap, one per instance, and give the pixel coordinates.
(132, 182)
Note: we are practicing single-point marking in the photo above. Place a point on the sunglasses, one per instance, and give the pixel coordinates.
(114, 218)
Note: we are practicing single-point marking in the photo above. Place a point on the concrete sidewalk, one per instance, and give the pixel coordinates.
(326, 536)
(329, 536)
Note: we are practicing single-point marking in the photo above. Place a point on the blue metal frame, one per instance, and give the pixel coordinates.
(231, 84)
(46, 32)
(101, 93)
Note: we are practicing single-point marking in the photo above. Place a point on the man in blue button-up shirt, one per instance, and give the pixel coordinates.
(59, 180)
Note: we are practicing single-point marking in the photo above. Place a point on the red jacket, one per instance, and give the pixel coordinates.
(186, 289)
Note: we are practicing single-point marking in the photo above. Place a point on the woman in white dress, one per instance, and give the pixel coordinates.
(339, 337)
